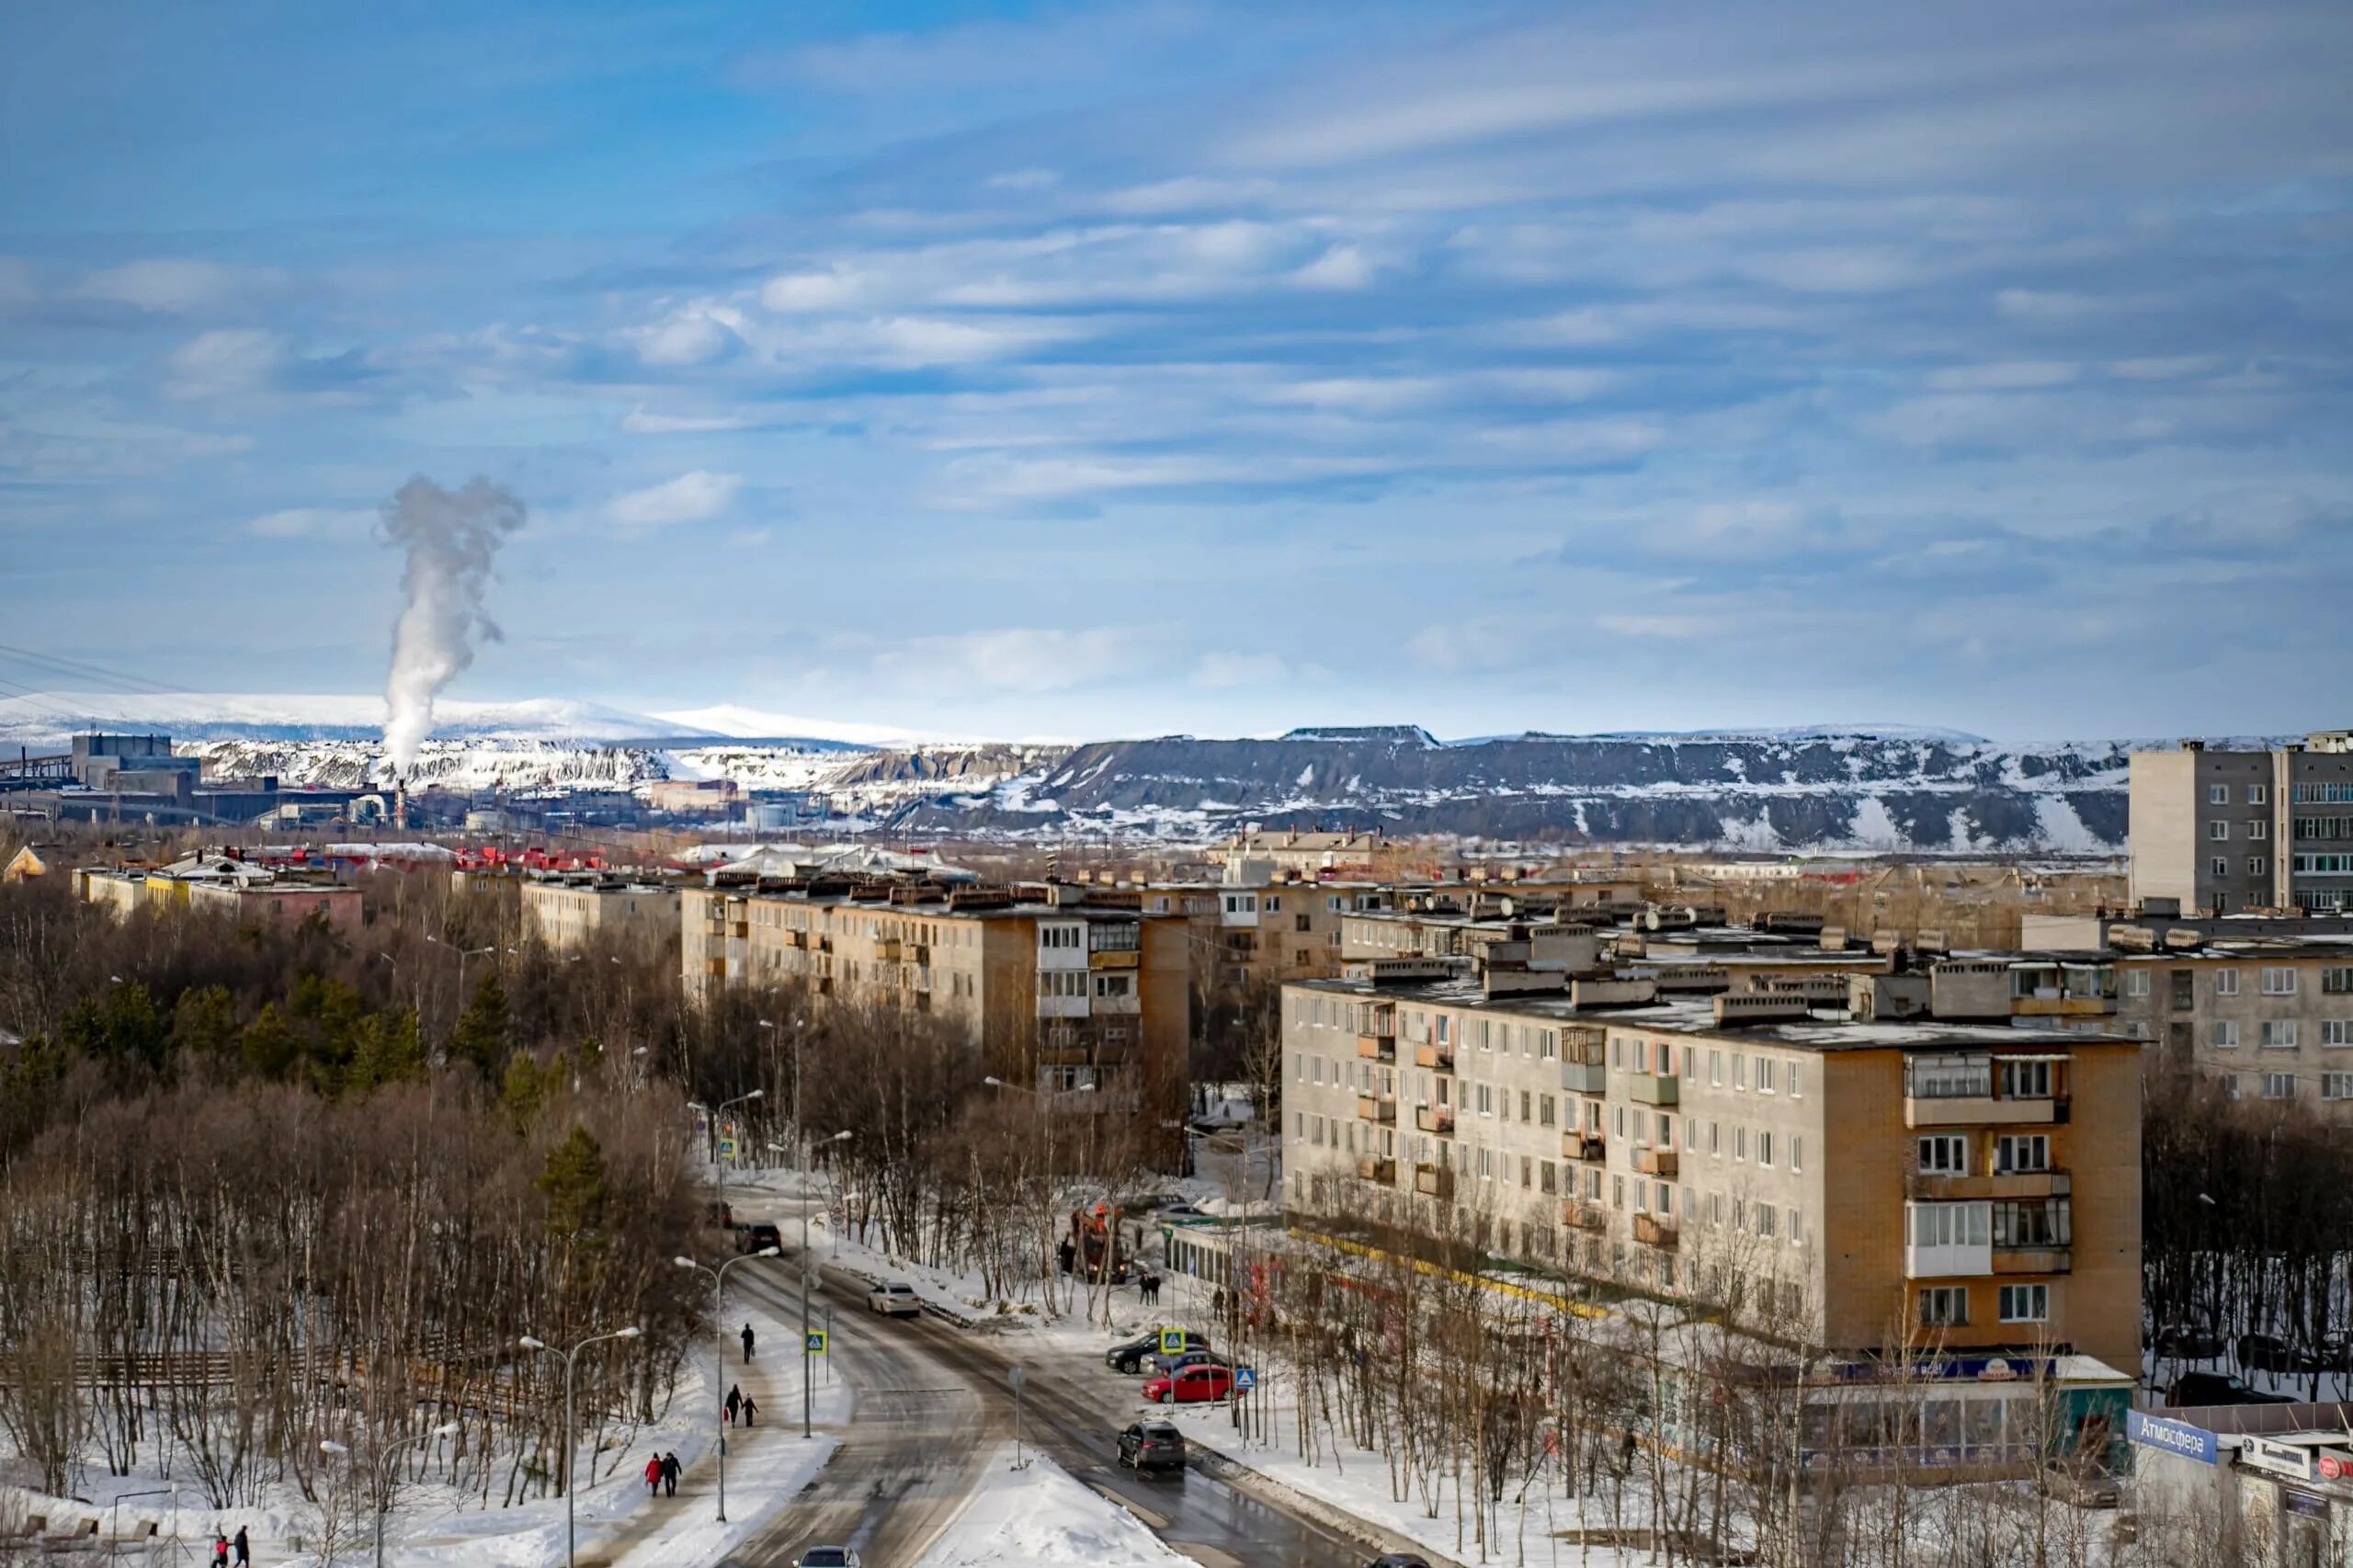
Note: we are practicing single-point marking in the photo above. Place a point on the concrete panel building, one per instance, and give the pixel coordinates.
(2224, 831)
(565, 911)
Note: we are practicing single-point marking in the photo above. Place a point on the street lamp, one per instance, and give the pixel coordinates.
(808, 1279)
(718, 1359)
(384, 1479)
(717, 1111)
(464, 954)
(529, 1343)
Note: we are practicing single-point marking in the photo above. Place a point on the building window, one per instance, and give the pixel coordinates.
(1944, 1306)
(2278, 1085)
(2336, 980)
(2218, 830)
(2219, 866)
(1740, 1143)
(1739, 1072)
(2021, 1152)
(2337, 1085)
(2256, 866)
(1944, 1153)
(1544, 1110)
(1716, 1066)
(2256, 828)
(2136, 982)
(1767, 1216)
(1716, 1139)
(2026, 1304)
(1797, 1089)
(2226, 1034)
(1797, 1153)
(2279, 982)
(1763, 1075)
(2336, 1032)
(1797, 1227)
(2025, 1080)
(2279, 1034)
(2218, 794)
(2231, 1085)
(2227, 982)
(2255, 794)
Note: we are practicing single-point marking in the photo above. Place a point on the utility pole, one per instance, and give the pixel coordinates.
(528, 1343)
(808, 1285)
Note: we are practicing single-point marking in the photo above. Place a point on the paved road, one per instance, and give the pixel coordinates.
(933, 1404)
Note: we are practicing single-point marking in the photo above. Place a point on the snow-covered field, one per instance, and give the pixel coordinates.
(1040, 1515)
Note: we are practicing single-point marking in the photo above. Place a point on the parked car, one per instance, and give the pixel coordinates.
(2268, 1353)
(1152, 1445)
(758, 1238)
(1183, 1211)
(1398, 1560)
(2186, 1342)
(1193, 1385)
(828, 1557)
(1132, 1356)
(2080, 1481)
(1163, 1364)
(719, 1215)
(894, 1299)
(2218, 1388)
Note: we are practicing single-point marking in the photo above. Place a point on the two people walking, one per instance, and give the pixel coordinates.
(738, 1403)
(223, 1546)
(662, 1475)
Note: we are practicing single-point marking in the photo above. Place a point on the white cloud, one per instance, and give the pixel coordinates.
(1480, 644)
(226, 360)
(172, 287)
(1022, 658)
(311, 522)
(639, 422)
(695, 335)
(690, 499)
(828, 290)
(1219, 671)
(1342, 266)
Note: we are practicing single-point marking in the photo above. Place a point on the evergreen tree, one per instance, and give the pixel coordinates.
(204, 1024)
(480, 1037)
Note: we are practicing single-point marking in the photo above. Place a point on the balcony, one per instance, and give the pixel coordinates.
(1653, 1231)
(2034, 1260)
(1371, 1167)
(1926, 1186)
(1584, 1077)
(1377, 1047)
(1431, 1053)
(1590, 1147)
(1579, 1216)
(1434, 1118)
(1654, 1088)
(1376, 1108)
(887, 949)
(1435, 1181)
(1114, 958)
(1982, 1110)
(1655, 1161)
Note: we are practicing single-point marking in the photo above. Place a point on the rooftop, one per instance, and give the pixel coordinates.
(1696, 1016)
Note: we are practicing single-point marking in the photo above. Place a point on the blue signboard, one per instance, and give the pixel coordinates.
(1245, 1378)
(2170, 1436)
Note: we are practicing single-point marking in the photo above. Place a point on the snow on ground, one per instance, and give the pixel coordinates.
(1040, 1515)
(437, 1527)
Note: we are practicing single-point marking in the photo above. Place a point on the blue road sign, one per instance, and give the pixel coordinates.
(816, 1344)
(1244, 1378)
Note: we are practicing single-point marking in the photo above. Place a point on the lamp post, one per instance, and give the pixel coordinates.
(720, 1110)
(808, 1282)
(383, 1475)
(529, 1343)
(718, 1359)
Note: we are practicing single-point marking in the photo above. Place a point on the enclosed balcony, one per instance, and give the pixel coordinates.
(1654, 1088)
(1372, 1167)
(1376, 1108)
(1434, 1118)
(1377, 1047)
(1434, 1181)
(1930, 1186)
(1434, 1054)
(1590, 1147)
(1580, 1216)
(1584, 1077)
(1655, 1161)
(1654, 1230)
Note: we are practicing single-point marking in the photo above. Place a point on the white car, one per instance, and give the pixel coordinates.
(894, 1300)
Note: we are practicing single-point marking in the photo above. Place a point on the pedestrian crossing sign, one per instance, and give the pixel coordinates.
(815, 1342)
(1172, 1341)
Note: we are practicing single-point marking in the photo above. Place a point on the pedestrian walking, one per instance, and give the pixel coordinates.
(750, 1410)
(670, 1468)
(747, 1344)
(245, 1549)
(734, 1401)
(220, 1549)
(654, 1476)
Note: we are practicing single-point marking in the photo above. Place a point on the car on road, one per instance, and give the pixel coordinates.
(1193, 1385)
(1130, 1356)
(1152, 1445)
(2268, 1353)
(828, 1557)
(759, 1238)
(2218, 1388)
(894, 1299)
(2080, 1481)
(2186, 1342)
(1398, 1560)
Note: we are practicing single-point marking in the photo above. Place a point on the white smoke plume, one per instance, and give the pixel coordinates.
(450, 539)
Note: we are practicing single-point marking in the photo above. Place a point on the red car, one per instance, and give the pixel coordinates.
(1191, 1385)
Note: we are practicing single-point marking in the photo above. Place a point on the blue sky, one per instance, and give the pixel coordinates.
(1096, 370)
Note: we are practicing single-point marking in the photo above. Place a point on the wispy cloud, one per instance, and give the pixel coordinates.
(692, 498)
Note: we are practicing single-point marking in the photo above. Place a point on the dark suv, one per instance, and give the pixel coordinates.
(1152, 1445)
(2218, 1387)
(1130, 1356)
(759, 1238)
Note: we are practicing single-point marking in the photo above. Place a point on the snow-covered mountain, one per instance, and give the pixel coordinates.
(1888, 787)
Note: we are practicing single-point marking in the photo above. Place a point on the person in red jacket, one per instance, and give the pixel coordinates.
(654, 1476)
